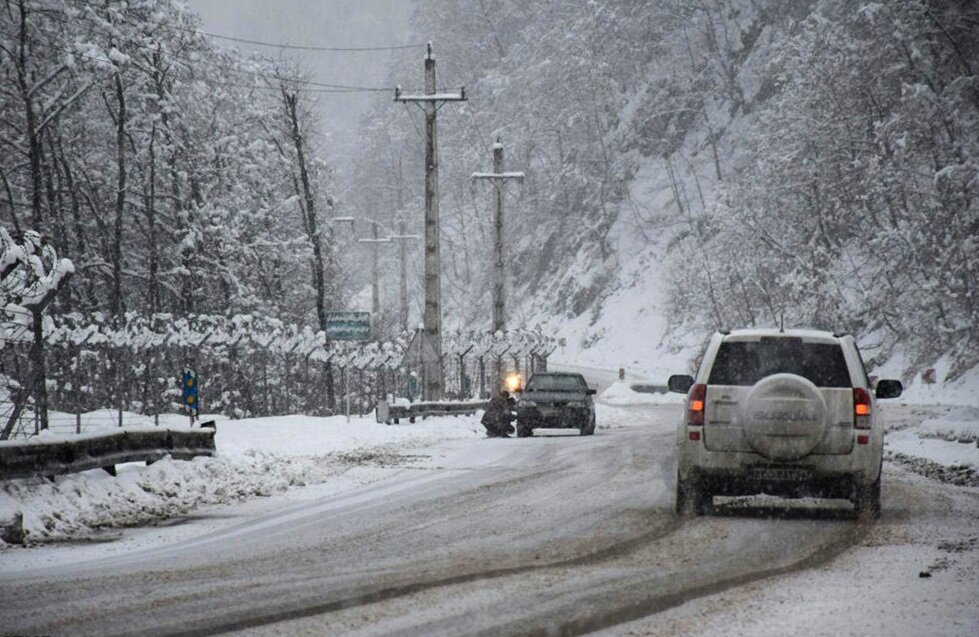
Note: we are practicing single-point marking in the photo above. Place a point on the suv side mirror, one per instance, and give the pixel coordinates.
(591, 392)
(680, 383)
(889, 389)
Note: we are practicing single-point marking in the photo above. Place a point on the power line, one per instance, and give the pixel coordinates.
(293, 47)
(351, 90)
(229, 67)
(298, 47)
(333, 91)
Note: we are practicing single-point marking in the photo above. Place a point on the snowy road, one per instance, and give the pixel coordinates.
(549, 535)
(556, 532)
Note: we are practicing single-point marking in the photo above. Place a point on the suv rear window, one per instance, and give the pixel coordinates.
(746, 363)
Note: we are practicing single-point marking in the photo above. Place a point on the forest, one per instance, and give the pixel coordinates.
(176, 176)
(798, 164)
(811, 163)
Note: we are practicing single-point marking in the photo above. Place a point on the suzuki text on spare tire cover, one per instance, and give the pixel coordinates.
(789, 413)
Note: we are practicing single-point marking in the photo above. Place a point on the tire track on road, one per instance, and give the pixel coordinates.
(659, 603)
(387, 593)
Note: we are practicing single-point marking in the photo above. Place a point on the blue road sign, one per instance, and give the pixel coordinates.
(191, 395)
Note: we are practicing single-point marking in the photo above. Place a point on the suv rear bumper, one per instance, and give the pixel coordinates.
(825, 472)
(818, 486)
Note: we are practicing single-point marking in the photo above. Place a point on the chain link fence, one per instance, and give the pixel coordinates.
(248, 366)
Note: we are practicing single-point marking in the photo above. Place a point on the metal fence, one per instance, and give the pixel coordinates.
(55, 369)
(247, 367)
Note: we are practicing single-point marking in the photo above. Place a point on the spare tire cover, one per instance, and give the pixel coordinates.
(783, 417)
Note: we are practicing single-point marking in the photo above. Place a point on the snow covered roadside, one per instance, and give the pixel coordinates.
(256, 457)
(293, 460)
(621, 393)
(937, 442)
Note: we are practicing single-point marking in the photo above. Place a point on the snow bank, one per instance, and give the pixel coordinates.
(943, 447)
(962, 391)
(77, 504)
(257, 457)
(307, 435)
(622, 393)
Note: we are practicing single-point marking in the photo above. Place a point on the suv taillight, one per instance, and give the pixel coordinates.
(861, 408)
(695, 405)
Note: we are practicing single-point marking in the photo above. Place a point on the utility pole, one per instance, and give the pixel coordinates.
(498, 177)
(403, 282)
(432, 341)
(402, 239)
(402, 250)
(376, 242)
(375, 284)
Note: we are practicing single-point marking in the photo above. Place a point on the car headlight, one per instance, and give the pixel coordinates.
(526, 403)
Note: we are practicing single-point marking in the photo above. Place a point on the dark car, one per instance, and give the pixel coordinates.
(556, 401)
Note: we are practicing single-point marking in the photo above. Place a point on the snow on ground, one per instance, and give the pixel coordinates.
(256, 457)
(263, 465)
(870, 591)
(622, 393)
(937, 441)
(916, 572)
(943, 452)
(875, 588)
(265, 456)
(964, 390)
(311, 436)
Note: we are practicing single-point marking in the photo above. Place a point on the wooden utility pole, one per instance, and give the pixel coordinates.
(498, 177)
(432, 343)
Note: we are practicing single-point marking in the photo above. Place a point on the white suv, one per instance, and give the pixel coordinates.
(789, 413)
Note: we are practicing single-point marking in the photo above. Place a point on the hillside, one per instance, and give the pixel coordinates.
(700, 166)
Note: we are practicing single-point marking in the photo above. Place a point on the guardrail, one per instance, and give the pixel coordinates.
(392, 414)
(41, 458)
(647, 388)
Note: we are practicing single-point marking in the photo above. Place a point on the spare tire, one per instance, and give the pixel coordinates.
(783, 417)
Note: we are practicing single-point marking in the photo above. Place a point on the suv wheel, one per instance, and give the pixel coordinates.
(867, 500)
(692, 498)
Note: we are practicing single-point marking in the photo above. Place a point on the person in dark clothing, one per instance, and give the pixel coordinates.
(498, 415)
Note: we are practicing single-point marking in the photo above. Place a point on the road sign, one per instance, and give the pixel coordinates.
(348, 326)
(191, 395)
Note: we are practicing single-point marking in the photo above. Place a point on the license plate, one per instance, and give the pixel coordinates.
(788, 474)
